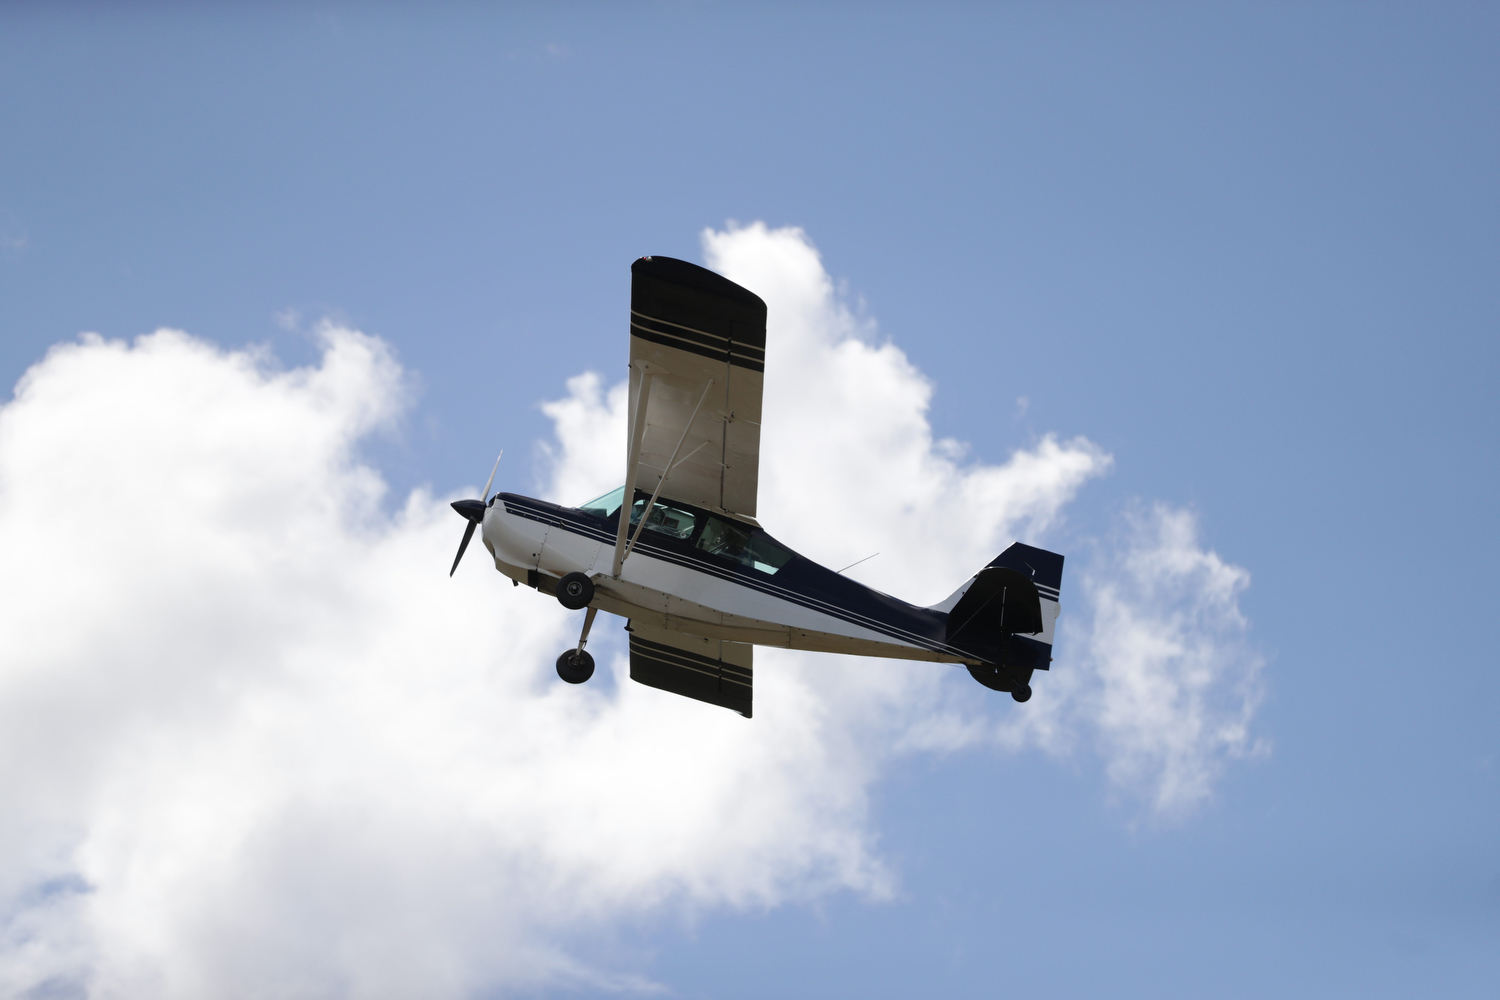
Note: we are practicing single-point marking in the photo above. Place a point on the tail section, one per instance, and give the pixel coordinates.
(1004, 616)
(1042, 567)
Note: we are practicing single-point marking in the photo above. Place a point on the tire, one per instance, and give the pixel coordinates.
(575, 591)
(575, 667)
(1022, 693)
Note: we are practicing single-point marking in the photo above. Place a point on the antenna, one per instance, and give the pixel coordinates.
(856, 562)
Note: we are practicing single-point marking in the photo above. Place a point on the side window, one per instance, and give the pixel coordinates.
(725, 538)
(665, 519)
(766, 555)
(746, 547)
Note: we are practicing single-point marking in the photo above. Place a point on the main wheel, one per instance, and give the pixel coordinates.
(575, 666)
(1022, 692)
(575, 591)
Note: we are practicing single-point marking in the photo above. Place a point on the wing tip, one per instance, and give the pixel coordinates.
(686, 273)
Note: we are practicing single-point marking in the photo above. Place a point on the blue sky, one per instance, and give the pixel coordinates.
(1248, 251)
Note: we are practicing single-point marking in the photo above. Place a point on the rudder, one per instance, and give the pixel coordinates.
(1004, 616)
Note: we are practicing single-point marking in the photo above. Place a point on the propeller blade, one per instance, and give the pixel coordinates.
(468, 534)
(473, 512)
(485, 496)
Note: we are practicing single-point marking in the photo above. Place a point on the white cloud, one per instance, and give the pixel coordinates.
(1174, 682)
(254, 741)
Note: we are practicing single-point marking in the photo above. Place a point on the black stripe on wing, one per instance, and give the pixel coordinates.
(709, 345)
(691, 675)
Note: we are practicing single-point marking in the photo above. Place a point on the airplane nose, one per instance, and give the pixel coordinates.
(473, 512)
(470, 510)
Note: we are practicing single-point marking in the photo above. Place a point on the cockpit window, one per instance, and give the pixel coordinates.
(745, 546)
(606, 505)
(665, 519)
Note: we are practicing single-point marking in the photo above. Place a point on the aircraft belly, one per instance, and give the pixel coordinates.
(517, 573)
(613, 603)
(631, 595)
(824, 642)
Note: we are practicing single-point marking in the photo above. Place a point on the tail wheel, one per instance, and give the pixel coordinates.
(575, 591)
(1022, 693)
(575, 666)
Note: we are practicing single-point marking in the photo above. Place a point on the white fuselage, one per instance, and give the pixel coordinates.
(665, 594)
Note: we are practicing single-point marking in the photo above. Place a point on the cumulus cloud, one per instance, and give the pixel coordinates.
(1175, 684)
(254, 741)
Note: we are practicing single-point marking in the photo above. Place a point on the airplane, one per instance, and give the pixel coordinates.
(698, 580)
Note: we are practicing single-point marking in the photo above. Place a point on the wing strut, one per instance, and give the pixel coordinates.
(671, 464)
(632, 465)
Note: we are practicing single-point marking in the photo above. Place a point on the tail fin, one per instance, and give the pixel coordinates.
(1042, 567)
(1004, 615)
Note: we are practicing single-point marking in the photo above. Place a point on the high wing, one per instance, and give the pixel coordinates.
(702, 338)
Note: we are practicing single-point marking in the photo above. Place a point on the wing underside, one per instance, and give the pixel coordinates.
(702, 338)
(711, 670)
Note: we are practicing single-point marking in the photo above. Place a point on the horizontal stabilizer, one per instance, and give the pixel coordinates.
(1003, 616)
(999, 600)
(710, 670)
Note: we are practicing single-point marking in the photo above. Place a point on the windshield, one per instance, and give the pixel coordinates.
(732, 540)
(606, 505)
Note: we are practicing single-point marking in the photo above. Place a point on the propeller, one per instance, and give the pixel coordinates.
(473, 512)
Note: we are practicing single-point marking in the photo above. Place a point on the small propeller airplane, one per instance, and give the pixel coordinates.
(698, 580)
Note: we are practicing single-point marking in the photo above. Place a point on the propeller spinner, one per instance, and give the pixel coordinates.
(473, 512)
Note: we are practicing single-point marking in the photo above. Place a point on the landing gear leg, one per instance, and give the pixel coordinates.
(575, 665)
(588, 623)
(1020, 688)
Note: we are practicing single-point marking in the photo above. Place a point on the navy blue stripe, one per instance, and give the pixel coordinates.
(580, 525)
